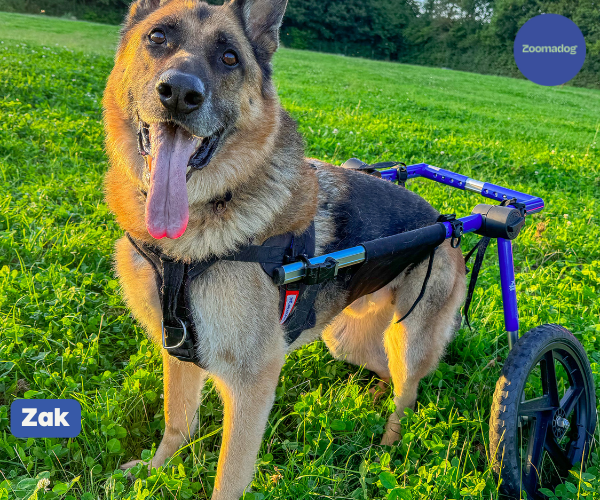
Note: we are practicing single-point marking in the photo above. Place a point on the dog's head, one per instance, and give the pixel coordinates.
(187, 75)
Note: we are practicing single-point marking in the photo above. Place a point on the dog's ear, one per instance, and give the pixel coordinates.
(261, 19)
(140, 9)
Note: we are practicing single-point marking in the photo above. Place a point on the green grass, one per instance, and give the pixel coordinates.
(65, 331)
(60, 33)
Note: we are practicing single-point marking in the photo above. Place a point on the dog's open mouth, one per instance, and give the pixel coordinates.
(171, 149)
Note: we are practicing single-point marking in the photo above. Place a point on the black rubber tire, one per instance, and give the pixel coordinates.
(504, 419)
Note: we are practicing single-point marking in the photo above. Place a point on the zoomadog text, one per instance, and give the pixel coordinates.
(547, 48)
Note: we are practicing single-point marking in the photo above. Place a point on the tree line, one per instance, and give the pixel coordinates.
(469, 35)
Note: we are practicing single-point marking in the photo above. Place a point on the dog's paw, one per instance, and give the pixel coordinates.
(129, 465)
(379, 390)
(390, 437)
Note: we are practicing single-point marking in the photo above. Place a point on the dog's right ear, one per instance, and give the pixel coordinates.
(261, 20)
(140, 9)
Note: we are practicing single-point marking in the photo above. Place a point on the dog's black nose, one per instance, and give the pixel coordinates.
(180, 92)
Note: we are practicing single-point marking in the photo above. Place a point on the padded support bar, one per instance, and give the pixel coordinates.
(409, 242)
(387, 257)
(383, 251)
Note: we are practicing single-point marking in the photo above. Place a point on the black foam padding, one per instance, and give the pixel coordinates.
(387, 257)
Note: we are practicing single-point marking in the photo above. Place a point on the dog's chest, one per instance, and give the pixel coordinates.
(235, 311)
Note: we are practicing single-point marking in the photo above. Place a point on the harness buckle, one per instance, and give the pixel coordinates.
(169, 331)
(457, 228)
(457, 233)
(402, 174)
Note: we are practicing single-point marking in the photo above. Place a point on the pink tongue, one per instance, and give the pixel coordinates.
(167, 210)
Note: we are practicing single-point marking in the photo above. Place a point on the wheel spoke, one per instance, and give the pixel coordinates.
(569, 400)
(531, 407)
(558, 456)
(535, 449)
(549, 385)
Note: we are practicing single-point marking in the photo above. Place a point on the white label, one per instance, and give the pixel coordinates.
(290, 302)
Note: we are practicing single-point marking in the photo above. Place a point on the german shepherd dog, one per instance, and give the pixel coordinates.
(186, 71)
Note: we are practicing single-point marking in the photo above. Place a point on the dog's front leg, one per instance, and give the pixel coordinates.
(247, 403)
(183, 384)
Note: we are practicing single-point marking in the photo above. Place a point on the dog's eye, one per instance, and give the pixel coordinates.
(157, 36)
(230, 58)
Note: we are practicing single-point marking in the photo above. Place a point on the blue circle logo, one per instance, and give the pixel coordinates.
(549, 49)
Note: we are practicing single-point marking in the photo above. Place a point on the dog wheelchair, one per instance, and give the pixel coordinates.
(543, 415)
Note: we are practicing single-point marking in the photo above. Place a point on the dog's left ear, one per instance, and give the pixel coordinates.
(262, 19)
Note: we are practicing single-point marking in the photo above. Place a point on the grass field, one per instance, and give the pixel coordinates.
(65, 331)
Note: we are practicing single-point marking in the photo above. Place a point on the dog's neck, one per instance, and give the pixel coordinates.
(273, 190)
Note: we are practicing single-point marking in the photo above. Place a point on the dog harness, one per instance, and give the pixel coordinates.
(387, 257)
(174, 279)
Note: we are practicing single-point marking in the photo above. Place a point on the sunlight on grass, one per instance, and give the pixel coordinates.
(65, 332)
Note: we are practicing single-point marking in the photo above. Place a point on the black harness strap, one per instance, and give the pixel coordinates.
(455, 240)
(178, 333)
(174, 278)
(148, 258)
(257, 253)
(481, 247)
(423, 288)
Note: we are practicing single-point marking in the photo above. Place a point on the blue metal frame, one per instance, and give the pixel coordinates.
(355, 255)
(533, 204)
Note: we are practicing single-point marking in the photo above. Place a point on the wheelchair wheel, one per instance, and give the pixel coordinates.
(544, 412)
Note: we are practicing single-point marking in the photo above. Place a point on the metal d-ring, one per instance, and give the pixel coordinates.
(183, 338)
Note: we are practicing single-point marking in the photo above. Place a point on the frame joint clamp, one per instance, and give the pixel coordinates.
(457, 228)
(521, 207)
(318, 273)
(402, 174)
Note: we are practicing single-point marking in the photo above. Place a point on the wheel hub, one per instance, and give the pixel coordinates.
(560, 424)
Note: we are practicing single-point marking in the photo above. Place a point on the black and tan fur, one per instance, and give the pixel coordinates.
(260, 160)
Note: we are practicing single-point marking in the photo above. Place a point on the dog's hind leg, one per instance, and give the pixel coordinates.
(356, 334)
(183, 384)
(415, 346)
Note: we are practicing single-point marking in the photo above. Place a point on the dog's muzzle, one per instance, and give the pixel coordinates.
(198, 160)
